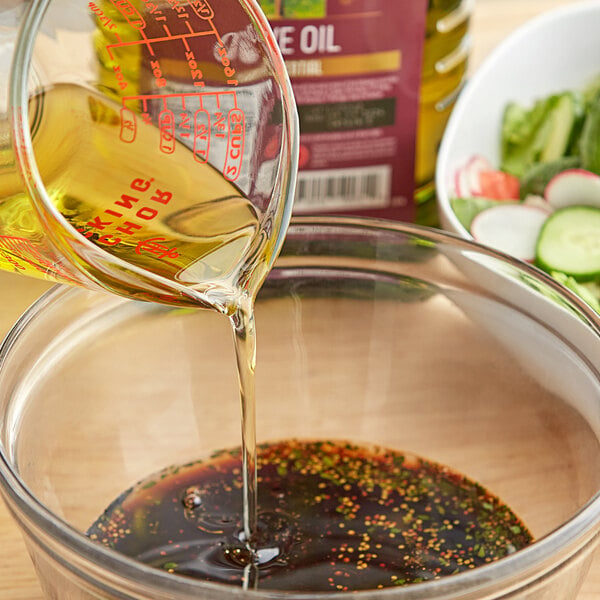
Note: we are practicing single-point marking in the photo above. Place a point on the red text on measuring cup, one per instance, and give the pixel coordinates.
(128, 125)
(130, 12)
(235, 144)
(201, 135)
(166, 126)
(203, 9)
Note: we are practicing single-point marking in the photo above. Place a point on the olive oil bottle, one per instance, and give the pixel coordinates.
(445, 60)
(375, 83)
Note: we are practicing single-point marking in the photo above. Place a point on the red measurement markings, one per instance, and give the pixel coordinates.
(23, 249)
(148, 42)
(202, 9)
(120, 77)
(195, 71)
(103, 19)
(166, 127)
(172, 125)
(176, 6)
(154, 246)
(128, 125)
(184, 128)
(190, 28)
(201, 135)
(213, 29)
(152, 8)
(158, 74)
(145, 114)
(235, 144)
(130, 12)
(220, 125)
(228, 70)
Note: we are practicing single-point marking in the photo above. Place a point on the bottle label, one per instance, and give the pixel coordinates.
(355, 67)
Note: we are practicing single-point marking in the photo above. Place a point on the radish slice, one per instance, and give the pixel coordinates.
(467, 179)
(573, 187)
(510, 228)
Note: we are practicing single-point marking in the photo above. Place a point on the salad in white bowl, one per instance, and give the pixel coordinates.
(519, 166)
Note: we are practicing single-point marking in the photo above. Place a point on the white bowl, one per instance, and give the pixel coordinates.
(557, 51)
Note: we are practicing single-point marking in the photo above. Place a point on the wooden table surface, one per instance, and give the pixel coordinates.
(493, 20)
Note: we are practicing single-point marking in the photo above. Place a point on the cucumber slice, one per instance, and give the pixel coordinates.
(590, 139)
(563, 119)
(569, 242)
(542, 133)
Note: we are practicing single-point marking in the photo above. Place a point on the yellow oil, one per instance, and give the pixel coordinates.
(176, 219)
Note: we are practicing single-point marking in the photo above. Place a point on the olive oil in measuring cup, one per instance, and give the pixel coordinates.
(184, 228)
(169, 182)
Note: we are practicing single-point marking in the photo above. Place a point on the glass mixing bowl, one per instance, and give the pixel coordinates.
(368, 331)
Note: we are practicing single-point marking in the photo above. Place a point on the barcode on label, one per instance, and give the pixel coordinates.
(343, 189)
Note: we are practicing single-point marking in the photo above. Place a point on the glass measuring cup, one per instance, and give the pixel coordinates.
(147, 147)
